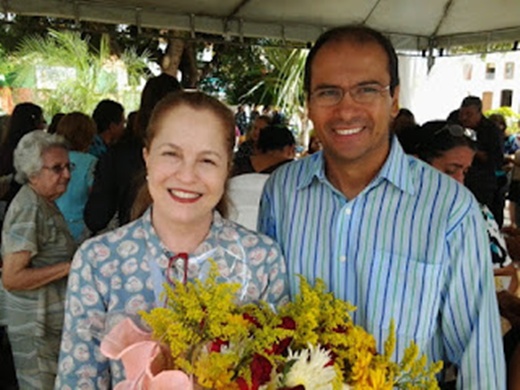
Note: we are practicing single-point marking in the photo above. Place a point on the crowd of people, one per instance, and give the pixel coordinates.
(400, 219)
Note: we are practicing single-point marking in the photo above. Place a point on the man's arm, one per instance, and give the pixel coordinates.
(470, 318)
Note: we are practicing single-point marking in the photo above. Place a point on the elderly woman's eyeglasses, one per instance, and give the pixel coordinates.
(363, 94)
(58, 169)
(458, 131)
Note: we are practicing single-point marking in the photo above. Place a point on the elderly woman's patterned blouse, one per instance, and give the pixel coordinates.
(117, 274)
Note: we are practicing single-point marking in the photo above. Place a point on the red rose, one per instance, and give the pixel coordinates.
(280, 347)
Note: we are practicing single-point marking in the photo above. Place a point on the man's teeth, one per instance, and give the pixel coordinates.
(349, 131)
(184, 195)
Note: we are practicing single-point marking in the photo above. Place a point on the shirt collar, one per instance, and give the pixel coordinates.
(395, 170)
(156, 246)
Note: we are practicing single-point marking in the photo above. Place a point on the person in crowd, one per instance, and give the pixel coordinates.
(119, 173)
(54, 122)
(276, 146)
(481, 178)
(110, 122)
(249, 147)
(404, 119)
(25, 118)
(451, 148)
(188, 150)
(513, 194)
(78, 130)
(314, 144)
(242, 119)
(384, 230)
(37, 249)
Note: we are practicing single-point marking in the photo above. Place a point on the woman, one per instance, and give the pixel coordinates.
(450, 148)
(25, 118)
(187, 153)
(37, 248)
(78, 130)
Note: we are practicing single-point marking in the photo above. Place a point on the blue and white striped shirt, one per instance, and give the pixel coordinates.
(411, 247)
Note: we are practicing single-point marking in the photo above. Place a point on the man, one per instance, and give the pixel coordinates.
(481, 178)
(110, 121)
(398, 239)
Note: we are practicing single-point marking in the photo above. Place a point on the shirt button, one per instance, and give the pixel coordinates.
(348, 211)
(343, 258)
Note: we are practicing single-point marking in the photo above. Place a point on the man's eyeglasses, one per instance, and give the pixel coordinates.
(457, 131)
(363, 94)
(58, 169)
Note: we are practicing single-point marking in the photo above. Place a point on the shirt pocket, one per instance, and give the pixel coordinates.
(405, 291)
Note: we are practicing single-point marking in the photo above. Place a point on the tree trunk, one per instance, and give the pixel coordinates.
(172, 58)
(188, 66)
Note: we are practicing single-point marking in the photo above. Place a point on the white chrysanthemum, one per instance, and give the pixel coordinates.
(310, 369)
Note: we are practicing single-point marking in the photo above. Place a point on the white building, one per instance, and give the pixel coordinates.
(494, 77)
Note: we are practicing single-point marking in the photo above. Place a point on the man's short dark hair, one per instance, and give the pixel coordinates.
(360, 34)
(275, 137)
(107, 112)
(472, 101)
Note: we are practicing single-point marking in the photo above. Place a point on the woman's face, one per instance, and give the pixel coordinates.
(52, 180)
(455, 162)
(187, 165)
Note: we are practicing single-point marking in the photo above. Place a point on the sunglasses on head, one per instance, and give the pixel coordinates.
(457, 131)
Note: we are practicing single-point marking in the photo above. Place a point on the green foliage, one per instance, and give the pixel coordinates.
(82, 75)
(512, 118)
(235, 71)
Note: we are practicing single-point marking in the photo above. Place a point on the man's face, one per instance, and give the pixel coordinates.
(352, 133)
(470, 116)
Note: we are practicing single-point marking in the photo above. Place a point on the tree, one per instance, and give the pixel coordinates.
(81, 75)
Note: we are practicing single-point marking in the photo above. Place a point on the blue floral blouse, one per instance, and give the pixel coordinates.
(115, 275)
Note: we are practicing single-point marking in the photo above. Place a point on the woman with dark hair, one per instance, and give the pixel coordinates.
(450, 148)
(25, 118)
(120, 171)
(188, 151)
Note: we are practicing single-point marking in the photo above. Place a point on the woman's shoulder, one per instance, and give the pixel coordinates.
(245, 234)
(131, 232)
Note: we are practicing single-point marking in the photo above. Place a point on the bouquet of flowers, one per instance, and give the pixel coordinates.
(204, 340)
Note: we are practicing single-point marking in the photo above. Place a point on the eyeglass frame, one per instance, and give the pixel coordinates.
(58, 169)
(456, 130)
(355, 96)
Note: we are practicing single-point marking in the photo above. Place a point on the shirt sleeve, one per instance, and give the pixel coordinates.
(20, 231)
(470, 318)
(81, 365)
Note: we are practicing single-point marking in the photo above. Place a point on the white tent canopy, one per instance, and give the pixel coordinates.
(411, 24)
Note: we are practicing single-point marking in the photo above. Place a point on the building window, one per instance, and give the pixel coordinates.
(467, 70)
(490, 71)
(506, 98)
(487, 101)
(509, 71)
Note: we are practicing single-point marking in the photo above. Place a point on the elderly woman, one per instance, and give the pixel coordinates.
(188, 153)
(37, 249)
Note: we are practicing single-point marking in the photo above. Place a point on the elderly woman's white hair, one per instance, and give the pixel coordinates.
(29, 151)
